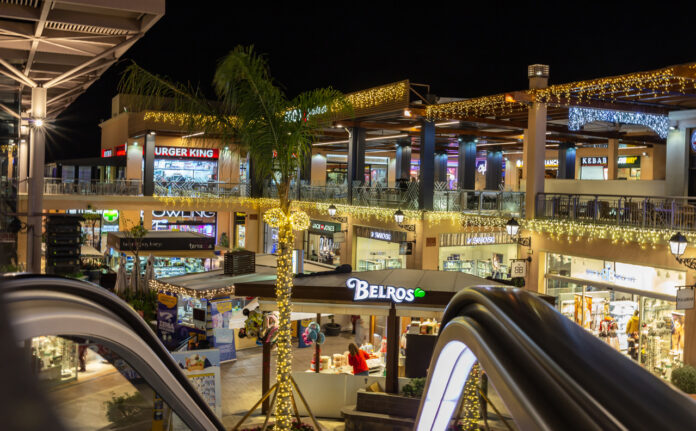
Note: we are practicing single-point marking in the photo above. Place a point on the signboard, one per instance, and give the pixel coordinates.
(202, 368)
(384, 236)
(364, 291)
(474, 239)
(152, 242)
(380, 234)
(223, 336)
(323, 227)
(167, 318)
(188, 153)
(551, 163)
(518, 268)
(120, 150)
(629, 162)
(593, 161)
(107, 153)
(685, 298)
(339, 237)
(110, 215)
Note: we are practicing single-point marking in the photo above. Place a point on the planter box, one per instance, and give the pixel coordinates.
(388, 404)
(332, 329)
(240, 262)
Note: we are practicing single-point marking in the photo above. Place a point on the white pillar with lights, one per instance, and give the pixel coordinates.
(37, 142)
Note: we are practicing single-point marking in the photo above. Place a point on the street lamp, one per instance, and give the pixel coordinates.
(399, 219)
(677, 245)
(332, 213)
(513, 229)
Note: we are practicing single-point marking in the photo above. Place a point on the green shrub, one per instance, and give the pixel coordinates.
(685, 378)
(124, 409)
(414, 388)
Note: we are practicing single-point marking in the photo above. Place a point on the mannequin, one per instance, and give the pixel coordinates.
(607, 329)
(632, 332)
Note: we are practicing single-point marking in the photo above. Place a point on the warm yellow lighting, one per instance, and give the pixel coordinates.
(38, 122)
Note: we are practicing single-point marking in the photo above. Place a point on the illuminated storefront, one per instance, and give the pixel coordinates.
(181, 164)
(185, 221)
(319, 244)
(377, 249)
(483, 254)
(631, 307)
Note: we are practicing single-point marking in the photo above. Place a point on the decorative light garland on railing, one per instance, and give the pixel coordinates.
(159, 286)
(578, 117)
(372, 97)
(476, 107)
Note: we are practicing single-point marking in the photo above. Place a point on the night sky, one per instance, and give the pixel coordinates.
(461, 51)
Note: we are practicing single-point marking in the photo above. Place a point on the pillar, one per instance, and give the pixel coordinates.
(37, 140)
(149, 165)
(134, 161)
(612, 158)
(426, 189)
(566, 161)
(466, 164)
(441, 167)
(319, 170)
(23, 165)
(403, 160)
(494, 169)
(535, 141)
(391, 380)
(356, 159)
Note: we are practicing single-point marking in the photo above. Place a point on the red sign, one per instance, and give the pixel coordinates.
(121, 150)
(189, 153)
(107, 153)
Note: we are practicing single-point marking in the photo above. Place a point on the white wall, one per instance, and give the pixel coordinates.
(607, 187)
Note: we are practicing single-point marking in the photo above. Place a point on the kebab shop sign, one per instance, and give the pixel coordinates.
(364, 291)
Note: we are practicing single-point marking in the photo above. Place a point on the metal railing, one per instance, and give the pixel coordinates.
(482, 202)
(57, 186)
(655, 212)
(201, 189)
(387, 197)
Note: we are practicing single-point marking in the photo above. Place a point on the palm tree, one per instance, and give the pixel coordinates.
(277, 131)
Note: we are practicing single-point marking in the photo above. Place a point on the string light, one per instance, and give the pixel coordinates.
(159, 286)
(182, 119)
(390, 93)
(470, 401)
(476, 107)
(578, 117)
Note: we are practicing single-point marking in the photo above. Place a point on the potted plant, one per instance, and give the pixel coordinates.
(332, 329)
(685, 379)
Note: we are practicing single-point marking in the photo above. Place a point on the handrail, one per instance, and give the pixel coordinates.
(549, 372)
(103, 299)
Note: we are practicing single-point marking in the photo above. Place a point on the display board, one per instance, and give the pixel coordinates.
(202, 368)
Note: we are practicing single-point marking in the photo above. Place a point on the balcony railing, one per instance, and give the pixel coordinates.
(57, 186)
(387, 197)
(673, 213)
(201, 189)
(482, 202)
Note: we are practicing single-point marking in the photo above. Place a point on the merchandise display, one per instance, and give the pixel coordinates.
(479, 258)
(55, 359)
(171, 266)
(374, 255)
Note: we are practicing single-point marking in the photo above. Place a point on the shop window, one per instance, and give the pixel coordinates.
(182, 171)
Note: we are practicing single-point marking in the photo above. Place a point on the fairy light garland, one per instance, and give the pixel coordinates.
(476, 107)
(470, 401)
(578, 117)
(181, 119)
(159, 286)
(372, 97)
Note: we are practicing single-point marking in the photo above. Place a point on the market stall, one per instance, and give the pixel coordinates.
(395, 306)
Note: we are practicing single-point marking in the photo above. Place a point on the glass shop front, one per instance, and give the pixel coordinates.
(176, 165)
(630, 307)
(319, 244)
(483, 254)
(377, 249)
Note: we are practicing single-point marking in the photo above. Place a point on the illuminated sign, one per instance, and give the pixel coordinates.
(384, 236)
(551, 163)
(594, 161)
(324, 227)
(121, 150)
(366, 291)
(107, 153)
(191, 153)
(110, 215)
(183, 214)
(479, 240)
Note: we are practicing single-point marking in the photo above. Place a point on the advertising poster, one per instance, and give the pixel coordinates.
(223, 335)
(202, 367)
(166, 318)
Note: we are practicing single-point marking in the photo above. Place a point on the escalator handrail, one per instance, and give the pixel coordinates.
(580, 360)
(121, 309)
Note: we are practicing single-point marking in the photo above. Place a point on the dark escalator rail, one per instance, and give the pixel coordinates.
(32, 285)
(551, 373)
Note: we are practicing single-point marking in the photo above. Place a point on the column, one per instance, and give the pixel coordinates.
(441, 167)
(426, 189)
(318, 170)
(494, 169)
(612, 158)
(535, 141)
(37, 139)
(356, 159)
(566, 161)
(149, 165)
(466, 164)
(403, 160)
(23, 165)
(391, 380)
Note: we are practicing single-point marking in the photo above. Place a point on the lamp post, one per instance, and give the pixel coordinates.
(399, 219)
(513, 229)
(677, 246)
(332, 213)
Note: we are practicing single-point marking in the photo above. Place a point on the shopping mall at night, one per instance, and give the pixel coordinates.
(515, 260)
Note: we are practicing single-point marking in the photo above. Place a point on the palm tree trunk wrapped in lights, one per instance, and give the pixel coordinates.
(254, 113)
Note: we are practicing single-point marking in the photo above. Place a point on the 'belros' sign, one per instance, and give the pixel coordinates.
(364, 291)
(185, 152)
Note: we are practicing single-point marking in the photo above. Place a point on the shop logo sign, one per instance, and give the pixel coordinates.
(323, 227)
(608, 274)
(685, 298)
(184, 214)
(366, 291)
(194, 153)
(384, 236)
(479, 240)
(594, 161)
(110, 215)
